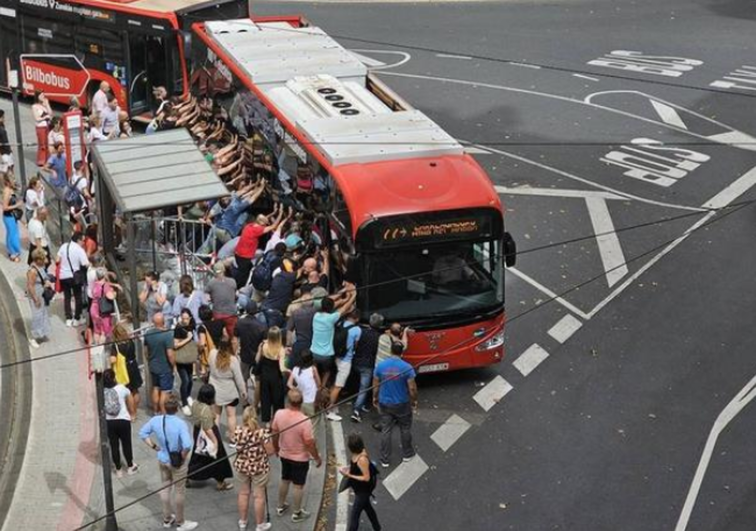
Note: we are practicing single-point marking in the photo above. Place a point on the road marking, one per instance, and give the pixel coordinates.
(492, 393)
(589, 78)
(668, 114)
(565, 327)
(525, 65)
(367, 61)
(736, 405)
(571, 307)
(556, 192)
(404, 476)
(450, 431)
(379, 65)
(736, 139)
(339, 450)
(476, 151)
(530, 359)
(737, 188)
(608, 242)
(452, 56)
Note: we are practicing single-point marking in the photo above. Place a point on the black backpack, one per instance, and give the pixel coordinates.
(262, 274)
(73, 197)
(374, 473)
(341, 338)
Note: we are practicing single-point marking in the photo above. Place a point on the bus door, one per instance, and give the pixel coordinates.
(148, 67)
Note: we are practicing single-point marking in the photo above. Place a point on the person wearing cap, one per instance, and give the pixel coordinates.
(250, 332)
(222, 293)
(280, 294)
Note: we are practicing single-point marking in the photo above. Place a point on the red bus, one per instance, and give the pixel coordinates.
(134, 45)
(415, 222)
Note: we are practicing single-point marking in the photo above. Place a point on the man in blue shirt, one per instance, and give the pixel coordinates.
(55, 168)
(344, 365)
(396, 398)
(172, 435)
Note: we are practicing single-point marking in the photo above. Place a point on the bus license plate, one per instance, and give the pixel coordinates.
(433, 367)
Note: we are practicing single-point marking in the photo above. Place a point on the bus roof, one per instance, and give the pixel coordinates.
(155, 6)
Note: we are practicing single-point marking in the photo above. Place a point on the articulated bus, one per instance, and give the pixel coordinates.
(134, 45)
(418, 219)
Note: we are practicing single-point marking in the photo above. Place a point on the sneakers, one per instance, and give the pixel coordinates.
(242, 525)
(356, 417)
(167, 524)
(69, 322)
(189, 401)
(133, 469)
(300, 516)
(188, 525)
(385, 464)
(33, 343)
(282, 509)
(365, 409)
(407, 459)
(263, 527)
(119, 473)
(186, 410)
(333, 416)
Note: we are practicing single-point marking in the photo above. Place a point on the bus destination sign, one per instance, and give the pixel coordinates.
(408, 232)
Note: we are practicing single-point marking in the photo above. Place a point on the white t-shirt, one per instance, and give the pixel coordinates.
(123, 414)
(80, 181)
(95, 135)
(306, 384)
(38, 230)
(78, 258)
(99, 102)
(91, 279)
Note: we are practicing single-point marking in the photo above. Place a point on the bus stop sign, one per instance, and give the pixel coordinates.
(53, 74)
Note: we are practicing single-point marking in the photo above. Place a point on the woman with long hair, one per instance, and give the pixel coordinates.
(12, 212)
(226, 377)
(253, 446)
(304, 376)
(34, 197)
(360, 473)
(118, 420)
(123, 344)
(186, 356)
(42, 115)
(188, 297)
(56, 133)
(101, 290)
(271, 364)
(206, 463)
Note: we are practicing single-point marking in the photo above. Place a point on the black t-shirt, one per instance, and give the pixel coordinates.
(367, 348)
(302, 324)
(215, 329)
(321, 283)
(251, 333)
(281, 292)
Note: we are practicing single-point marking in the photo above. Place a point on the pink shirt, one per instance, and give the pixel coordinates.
(293, 441)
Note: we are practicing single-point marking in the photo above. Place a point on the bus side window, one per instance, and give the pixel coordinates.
(46, 36)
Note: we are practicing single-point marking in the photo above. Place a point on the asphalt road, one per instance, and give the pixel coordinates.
(607, 429)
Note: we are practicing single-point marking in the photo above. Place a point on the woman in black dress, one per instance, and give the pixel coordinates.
(201, 465)
(124, 344)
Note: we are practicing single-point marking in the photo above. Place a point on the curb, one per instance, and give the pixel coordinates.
(15, 401)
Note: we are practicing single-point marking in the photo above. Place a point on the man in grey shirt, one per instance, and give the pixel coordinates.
(222, 292)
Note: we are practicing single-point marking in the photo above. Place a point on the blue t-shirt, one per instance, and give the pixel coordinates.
(232, 219)
(393, 374)
(353, 336)
(322, 333)
(176, 431)
(58, 165)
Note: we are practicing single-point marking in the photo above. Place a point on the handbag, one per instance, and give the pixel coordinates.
(105, 305)
(80, 275)
(121, 371)
(205, 446)
(48, 293)
(188, 354)
(177, 459)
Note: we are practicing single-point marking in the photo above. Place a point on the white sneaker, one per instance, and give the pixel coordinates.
(190, 401)
(69, 322)
(188, 525)
(186, 410)
(242, 525)
(133, 469)
(33, 343)
(263, 527)
(333, 416)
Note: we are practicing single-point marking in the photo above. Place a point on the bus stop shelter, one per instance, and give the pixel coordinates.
(144, 175)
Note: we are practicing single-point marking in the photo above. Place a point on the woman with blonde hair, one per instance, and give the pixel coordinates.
(12, 212)
(271, 365)
(123, 344)
(253, 446)
(37, 279)
(226, 377)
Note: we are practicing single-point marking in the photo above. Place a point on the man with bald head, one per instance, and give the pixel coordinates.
(162, 361)
(311, 273)
(295, 444)
(100, 99)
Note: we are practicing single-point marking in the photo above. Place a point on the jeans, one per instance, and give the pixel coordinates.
(168, 475)
(398, 414)
(185, 371)
(214, 241)
(12, 236)
(71, 289)
(366, 380)
(119, 432)
(362, 503)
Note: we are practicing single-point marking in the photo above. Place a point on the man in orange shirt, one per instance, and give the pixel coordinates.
(295, 444)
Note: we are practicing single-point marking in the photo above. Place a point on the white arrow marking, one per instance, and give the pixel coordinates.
(668, 114)
(608, 242)
(367, 61)
(556, 192)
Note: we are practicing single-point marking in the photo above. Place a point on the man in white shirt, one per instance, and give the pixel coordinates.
(72, 258)
(100, 98)
(110, 125)
(38, 237)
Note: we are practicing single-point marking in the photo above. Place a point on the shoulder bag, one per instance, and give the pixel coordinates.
(80, 275)
(120, 369)
(177, 459)
(105, 305)
(189, 353)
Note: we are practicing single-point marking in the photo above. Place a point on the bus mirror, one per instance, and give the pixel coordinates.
(510, 250)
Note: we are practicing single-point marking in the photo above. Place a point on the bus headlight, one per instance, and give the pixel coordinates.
(492, 343)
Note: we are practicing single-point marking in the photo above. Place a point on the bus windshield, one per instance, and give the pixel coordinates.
(435, 281)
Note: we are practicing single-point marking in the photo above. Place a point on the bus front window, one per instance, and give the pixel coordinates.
(435, 281)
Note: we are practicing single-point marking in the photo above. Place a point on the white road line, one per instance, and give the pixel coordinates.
(404, 476)
(450, 431)
(608, 242)
(565, 327)
(737, 188)
(339, 450)
(736, 405)
(668, 114)
(477, 151)
(735, 138)
(367, 61)
(525, 65)
(589, 78)
(530, 359)
(556, 192)
(452, 56)
(571, 307)
(405, 57)
(492, 393)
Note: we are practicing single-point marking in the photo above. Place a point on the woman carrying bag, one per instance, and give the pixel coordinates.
(124, 361)
(102, 306)
(362, 476)
(253, 446)
(187, 353)
(39, 289)
(209, 459)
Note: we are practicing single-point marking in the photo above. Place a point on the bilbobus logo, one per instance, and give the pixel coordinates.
(37, 75)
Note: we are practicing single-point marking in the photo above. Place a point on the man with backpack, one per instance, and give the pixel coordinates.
(323, 329)
(77, 194)
(262, 274)
(345, 338)
(249, 241)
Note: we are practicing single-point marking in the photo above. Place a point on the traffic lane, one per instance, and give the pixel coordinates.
(608, 432)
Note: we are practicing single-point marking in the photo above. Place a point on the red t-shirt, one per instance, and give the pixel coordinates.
(249, 239)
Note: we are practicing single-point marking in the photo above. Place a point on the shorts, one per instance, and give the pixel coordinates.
(344, 368)
(294, 471)
(324, 363)
(260, 480)
(163, 381)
